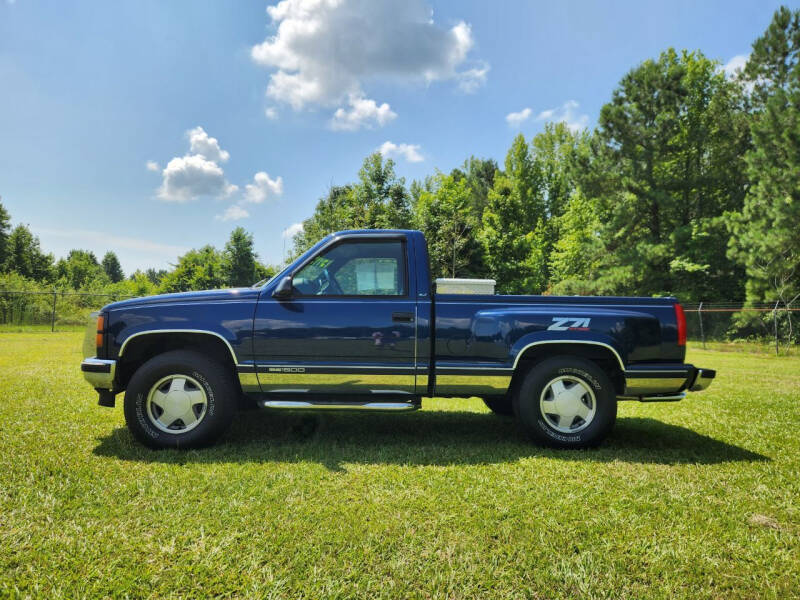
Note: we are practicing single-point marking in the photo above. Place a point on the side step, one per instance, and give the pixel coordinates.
(306, 405)
(662, 398)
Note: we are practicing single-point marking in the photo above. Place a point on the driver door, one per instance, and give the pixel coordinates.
(348, 327)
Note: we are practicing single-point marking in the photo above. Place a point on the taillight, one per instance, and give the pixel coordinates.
(98, 340)
(680, 317)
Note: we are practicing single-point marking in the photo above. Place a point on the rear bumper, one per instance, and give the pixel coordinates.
(666, 382)
(99, 372)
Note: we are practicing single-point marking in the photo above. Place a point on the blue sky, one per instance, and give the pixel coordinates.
(151, 127)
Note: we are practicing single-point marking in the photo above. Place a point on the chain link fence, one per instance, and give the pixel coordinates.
(731, 322)
(51, 309)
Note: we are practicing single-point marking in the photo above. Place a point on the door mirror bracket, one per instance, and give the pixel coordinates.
(283, 291)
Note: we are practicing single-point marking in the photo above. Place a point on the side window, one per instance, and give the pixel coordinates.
(356, 268)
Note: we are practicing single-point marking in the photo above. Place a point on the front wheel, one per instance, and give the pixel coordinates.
(180, 399)
(566, 402)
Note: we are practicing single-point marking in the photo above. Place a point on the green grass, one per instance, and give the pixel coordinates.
(698, 499)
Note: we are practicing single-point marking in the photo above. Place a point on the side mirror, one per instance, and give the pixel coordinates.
(284, 289)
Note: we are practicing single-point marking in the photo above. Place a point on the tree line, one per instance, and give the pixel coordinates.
(689, 185)
(24, 266)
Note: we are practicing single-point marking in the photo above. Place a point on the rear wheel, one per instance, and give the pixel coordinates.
(180, 399)
(499, 406)
(566, 402)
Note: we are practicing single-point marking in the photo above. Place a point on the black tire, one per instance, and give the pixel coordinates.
(532, 397)
(499, 406)
(204, 376)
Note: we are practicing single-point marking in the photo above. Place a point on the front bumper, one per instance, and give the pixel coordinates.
(99, 372)
(664, 382)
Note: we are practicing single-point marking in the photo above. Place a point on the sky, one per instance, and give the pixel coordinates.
(149, 127)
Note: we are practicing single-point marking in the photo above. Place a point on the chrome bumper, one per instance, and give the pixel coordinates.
(664, 383)
(99, 372)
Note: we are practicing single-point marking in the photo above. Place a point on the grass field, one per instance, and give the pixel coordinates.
(698, 499)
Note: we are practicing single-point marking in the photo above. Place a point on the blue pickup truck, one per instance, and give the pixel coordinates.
(356, 324)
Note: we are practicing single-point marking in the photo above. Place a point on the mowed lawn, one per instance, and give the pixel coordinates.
(697, 499)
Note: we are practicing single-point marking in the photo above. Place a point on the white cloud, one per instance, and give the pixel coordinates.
(199, 175)
(363, 113)
(187, 178)
(735, 65)
(411, 152)
(271, 113)
(262, 187)
(515, 119)
(323, 52)
(292, 230)
(566, 113)
(207, 147)
(152, 165)
(233, 213)
(470, 80)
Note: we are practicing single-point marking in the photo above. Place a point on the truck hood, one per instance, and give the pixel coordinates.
(230, 294)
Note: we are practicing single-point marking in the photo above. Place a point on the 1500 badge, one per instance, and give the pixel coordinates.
(569, 324)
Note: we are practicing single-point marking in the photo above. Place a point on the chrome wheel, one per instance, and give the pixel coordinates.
(176, 404)
(568, 404)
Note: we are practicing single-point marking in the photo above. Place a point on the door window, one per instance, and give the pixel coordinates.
(356, 268)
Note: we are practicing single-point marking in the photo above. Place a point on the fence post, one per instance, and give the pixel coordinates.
(700, 316)
(775, 322)
(53, 321)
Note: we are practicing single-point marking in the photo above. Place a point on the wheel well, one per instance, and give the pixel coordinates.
(600, 355)
(144, 347)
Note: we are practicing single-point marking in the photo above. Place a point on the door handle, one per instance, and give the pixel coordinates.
(403, 317)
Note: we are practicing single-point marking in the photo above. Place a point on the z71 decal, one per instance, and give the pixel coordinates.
(569, 324)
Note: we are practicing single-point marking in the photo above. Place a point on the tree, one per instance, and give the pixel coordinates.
(155, 275)
(557, 151)
(766, 231)
(444, 215)
(332, 213)
(198, 269)
(575, 256)
(666, 164)
(240, 259)
(112, 267)
(80, 269)
(25, 257)
(479, 174)
(5, 226)
(514, 212)
(379, 200)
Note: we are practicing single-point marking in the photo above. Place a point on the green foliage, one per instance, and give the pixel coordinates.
(378, 200)
(445, 216)
(666, 164)
(514, 211)
(239, 259)
(112, 267)
(79, 270)
(576, 254)
(5, 226)
(24, 256)
(766, 231)
(198, 269)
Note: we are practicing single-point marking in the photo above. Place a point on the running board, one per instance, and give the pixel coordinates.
(663, 398)
(305, 405)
